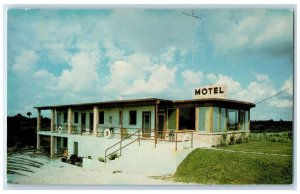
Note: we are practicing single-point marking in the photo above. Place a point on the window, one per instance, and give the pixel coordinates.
(246, 120)
(204, 119)
(233, 122)
(216, 127)
(172, 119)
(101, 117)
(132, 117)
(75, 117)
(242, 120)
(65, 117)
(222, 119)
(120, 117)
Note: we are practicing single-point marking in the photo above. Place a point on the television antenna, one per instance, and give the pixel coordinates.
(194, 18)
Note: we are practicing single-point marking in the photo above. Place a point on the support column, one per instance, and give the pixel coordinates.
(211, 118)
(52, 120)
(96, 121)
(38, 127)
(177, 118)
(51, 146)
(69, 120)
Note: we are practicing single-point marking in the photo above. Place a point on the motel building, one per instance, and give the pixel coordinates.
(143, 130)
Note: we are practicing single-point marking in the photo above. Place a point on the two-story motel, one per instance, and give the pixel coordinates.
(83, 129)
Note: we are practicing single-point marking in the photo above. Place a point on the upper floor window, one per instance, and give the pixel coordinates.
(75, 117)
(132, 117)
(101, 117)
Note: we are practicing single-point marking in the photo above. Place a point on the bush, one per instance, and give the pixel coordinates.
(232, 139)
(101, 159)
(113, 156)
(223, 140)
(283, 137)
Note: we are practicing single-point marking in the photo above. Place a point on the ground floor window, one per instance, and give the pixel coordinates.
(233, 122)
(247, 120)
(187, 118)
(172, 119)
(204, 119)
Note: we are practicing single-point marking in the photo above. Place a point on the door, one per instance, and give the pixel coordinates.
(83, 120)
(161, 125)
(58, 119)
(76, 148)
(91, 122)
(146, 131)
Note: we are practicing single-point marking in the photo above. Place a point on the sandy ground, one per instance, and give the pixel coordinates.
(57, 172)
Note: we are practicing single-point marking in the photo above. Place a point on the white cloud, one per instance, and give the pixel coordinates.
(275, 34)
(260, 77)
(160, 79)
(25, 61)
(232, 85)
(212, 77)
(138, 75)
(288, 84)
(194, 78)
(83, 74)
(281, 103)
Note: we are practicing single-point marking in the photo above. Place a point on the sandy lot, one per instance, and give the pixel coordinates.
(57, 172)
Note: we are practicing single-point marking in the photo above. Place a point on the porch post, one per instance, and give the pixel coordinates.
(51, 146)
(177, 118)
(69, 120)
(52, 120)
(96, 121)
(38, 127)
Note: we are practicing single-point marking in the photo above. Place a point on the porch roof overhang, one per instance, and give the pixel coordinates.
(215, 102)
(115, 103)
(153, 101)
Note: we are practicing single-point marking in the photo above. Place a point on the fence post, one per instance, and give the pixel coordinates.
(176, 141)
(139, 137)
(120, 148)
(192, 139)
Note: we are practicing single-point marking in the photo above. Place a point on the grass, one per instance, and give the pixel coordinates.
(208, 166)
(263, 147)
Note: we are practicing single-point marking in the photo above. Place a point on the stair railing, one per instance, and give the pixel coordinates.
(120, 143)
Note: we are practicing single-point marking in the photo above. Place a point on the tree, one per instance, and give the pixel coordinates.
(29, 114)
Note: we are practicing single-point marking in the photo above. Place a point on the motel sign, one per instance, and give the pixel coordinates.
(213, 91)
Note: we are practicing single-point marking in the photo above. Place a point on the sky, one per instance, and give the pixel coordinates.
(64, 56)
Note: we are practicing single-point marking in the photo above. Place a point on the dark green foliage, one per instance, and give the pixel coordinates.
(21, 130)
(271, 126)
(113, 156)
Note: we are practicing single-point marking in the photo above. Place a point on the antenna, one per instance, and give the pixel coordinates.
(273, 95)
(194, 17)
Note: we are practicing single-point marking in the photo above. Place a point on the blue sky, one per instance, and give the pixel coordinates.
(71, 56)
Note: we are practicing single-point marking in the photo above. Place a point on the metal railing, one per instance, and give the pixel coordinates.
(120, 143)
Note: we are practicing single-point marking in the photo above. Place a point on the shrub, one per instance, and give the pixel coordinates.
(223, 140)
(113, 156)
(232, 139)
(101, 159)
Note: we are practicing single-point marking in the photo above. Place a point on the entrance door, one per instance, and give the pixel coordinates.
(76, 148)
(161, 124)
(83, 121)
(146, 132)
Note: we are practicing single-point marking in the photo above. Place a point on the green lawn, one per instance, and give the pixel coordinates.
(263, 147)
(208, 166)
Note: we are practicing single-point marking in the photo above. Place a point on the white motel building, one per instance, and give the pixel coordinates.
(102, 128)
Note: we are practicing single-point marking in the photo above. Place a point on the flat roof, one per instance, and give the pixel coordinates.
(146, 101)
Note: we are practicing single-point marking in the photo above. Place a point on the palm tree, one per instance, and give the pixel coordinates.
(29, 114)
